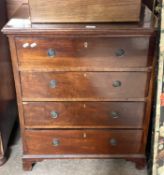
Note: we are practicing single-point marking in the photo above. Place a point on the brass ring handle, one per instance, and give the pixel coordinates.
(113, 142)
(115, 114)
(54, 114)
(117, 83)
(120, 52)
(55, 142)
(53, 84)
(51, 53)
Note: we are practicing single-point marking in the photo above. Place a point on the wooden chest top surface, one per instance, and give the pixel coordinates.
(21, 24)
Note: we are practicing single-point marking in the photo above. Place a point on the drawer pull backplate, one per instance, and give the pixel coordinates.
(120, 52)
(53, 84)
(117, 83)
(115, 114)
(113, 142)
(54, 114)
(51, 53)
(55, 142)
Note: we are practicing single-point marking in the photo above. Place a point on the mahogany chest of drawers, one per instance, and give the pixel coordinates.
(83, 91)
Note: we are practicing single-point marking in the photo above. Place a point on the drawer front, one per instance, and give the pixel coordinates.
(84, 85)
(84, 114)
(83, 142)
(83, 53)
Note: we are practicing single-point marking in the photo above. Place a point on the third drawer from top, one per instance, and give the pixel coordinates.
(84, 114)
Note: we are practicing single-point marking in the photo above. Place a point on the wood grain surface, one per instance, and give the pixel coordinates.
(72, 85)
(84, 114)
(83, 142)
(84, 53)
(84, 11)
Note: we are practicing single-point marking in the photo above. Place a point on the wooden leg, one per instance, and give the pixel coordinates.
(140, 163)
(2, 160)
(27, 165)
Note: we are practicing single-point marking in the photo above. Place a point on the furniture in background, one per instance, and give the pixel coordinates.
(13, 6)
(8, 109)
(57, 11)
(83, 90)
(150, 3)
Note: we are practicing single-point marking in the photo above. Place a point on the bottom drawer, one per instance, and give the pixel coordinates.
(83, 142)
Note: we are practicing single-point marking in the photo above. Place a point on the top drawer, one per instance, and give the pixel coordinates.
(80, 53)
(84, 11)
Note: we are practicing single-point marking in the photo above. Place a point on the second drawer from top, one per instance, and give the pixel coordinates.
(97, 86)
